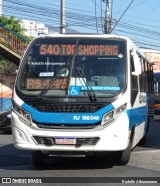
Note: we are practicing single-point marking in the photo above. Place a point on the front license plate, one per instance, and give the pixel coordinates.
(65, 141)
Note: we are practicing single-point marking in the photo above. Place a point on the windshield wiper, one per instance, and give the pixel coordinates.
(72, 62)
(90, 92)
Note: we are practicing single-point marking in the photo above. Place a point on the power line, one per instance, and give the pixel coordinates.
(75, 18)
(96, 15)
(101, 10)
(101, 15)
(121, 16)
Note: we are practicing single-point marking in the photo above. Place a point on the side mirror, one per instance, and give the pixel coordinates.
(152, 63)
(9, 116)
(133, 53)
(135, 73)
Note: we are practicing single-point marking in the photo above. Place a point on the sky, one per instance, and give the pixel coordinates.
(140, 22)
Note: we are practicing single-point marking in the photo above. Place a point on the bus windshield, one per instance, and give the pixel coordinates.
(73, 67)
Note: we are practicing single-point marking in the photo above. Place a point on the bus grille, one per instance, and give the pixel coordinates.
(66, 126)
(80, 108)
(50, 141)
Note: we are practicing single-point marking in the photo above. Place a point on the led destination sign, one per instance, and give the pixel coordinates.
(91, 50)
(39, 84)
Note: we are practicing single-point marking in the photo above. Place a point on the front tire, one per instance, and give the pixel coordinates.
(38, 158)
(124, 156)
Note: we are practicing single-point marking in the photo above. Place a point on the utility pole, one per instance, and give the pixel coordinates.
(107, 24)
(63, 17)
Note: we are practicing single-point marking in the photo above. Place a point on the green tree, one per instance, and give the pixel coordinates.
(12, 24)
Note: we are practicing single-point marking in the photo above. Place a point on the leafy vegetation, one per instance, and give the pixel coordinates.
(14, 25)
(7, 67)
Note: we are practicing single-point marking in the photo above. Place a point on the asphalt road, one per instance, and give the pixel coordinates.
(144, 162)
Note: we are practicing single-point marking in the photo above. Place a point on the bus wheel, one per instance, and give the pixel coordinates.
(38, 158)
(124, 156)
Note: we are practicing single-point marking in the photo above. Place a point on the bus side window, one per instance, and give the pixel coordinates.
(134, 88)
(134, 82)
(132, 64)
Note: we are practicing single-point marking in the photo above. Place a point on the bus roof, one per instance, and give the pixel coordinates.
(146, 50)
(84, 35)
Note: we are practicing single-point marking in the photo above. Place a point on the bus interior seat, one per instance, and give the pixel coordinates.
(105, 80)
(91, 83)
(119, 73)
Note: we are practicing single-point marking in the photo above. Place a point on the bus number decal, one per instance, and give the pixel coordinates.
(86, 118)
(90, 118)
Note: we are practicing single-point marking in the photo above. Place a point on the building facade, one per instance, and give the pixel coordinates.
(32, 28)
(0, 7)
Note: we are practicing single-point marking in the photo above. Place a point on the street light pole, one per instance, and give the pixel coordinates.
(63, 17)
(107, 24)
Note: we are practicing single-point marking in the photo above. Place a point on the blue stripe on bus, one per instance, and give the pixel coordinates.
(67, 118)
(136, 116)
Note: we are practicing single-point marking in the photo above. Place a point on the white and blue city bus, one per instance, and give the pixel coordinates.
(81, 94)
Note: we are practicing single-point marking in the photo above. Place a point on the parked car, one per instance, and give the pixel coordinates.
(5, 121)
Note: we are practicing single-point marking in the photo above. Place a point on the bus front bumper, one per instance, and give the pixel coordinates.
(114, 137)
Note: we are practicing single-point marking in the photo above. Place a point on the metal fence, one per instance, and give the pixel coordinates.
(12, 40)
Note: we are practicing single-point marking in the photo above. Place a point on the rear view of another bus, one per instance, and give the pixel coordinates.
(154, 56)
(157, 96)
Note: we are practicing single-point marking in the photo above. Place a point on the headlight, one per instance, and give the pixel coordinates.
(23, 115)
(109, 117)
(120, 109)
